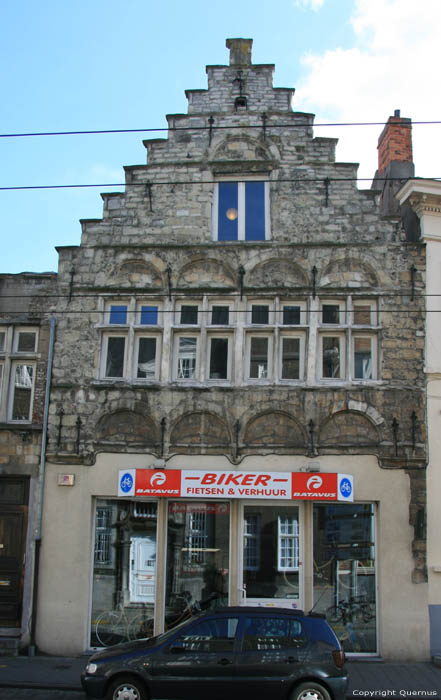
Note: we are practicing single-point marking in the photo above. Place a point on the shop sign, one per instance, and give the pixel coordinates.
(186, 483)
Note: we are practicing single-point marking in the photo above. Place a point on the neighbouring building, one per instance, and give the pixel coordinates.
(238, 400)
(425, 198)
(26, 336)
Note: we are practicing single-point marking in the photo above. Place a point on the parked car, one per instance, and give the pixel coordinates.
(233, 652)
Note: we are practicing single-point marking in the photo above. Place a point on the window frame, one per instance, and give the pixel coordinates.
(12, 388)
(135, 355)
(176, 343)
(374, 355)
(302, 361)
(342, 347)
(15, 342)
(229, 338)
(343, 312)
(104, 354)
(241, 207)
(270, 355)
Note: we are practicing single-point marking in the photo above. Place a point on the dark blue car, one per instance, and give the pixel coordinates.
(229, 653)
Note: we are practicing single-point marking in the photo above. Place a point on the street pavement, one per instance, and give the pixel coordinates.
(367, 679)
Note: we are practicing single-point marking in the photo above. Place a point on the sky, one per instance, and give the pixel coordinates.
(101, 64)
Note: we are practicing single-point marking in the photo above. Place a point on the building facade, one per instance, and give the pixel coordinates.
(238, 405)
(26, 336)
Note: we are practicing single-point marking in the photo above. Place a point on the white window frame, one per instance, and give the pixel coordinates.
(270, 355)
(108, 310)
(138, 337)
(14, 365)
(342, 347)
(17, 332)
(293, 537)
(372, 304)
(286, 303)
(374, 355)
(271, 313)
(155, 305)
(302, 342)
(229, 338)
(176, 344)
(241, 207)
(104, 347)
(178, 310)
(342, 312)
(224, 305)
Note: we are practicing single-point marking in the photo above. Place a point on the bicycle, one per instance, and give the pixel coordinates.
(116, 626)
(349, 610)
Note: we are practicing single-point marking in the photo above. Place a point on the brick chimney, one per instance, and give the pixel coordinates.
(395, 142)
(395, 166)
(240, 51)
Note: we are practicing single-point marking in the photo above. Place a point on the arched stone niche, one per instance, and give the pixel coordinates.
(137, 273)
(348, 272)
(348, 429)
(277, 272)
(273, 428)
(200, 428)
(206, 272)
(128, 427)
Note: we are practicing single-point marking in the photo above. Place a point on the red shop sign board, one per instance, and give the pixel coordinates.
(189, 483)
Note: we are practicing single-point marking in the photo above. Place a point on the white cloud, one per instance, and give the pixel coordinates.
(393, 64)
(309, 4)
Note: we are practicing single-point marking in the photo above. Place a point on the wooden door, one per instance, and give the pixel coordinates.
(13, 522)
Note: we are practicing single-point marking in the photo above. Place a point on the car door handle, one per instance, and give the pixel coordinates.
(224, 662)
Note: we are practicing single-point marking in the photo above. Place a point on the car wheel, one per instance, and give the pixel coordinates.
(127, 688)
(310, 691)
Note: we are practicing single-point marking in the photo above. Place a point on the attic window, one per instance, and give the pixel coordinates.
(241, 211)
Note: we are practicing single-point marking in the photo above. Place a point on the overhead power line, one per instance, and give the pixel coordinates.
(174, 183)
(213, 127)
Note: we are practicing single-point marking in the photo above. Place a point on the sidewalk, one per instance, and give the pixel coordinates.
(367, 679)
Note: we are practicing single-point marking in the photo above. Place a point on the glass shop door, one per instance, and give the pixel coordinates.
(272, 556)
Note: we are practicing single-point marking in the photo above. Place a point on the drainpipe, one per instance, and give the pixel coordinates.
(31, 650)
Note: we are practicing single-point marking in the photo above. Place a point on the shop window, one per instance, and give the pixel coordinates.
(344, 572)
(241, 211)
(251, 542)
(124, 576)
(197, 556)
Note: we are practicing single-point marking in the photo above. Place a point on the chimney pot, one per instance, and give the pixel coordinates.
(240, 51)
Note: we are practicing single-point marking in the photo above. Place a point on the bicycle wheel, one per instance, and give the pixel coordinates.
(334, 613)
(108, 628)
(140, 627)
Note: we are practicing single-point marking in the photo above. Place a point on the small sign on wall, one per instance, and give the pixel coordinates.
(66, 479)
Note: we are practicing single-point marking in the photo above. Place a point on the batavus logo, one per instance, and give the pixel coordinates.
(126, 482)
(314, 482)
(158, 479)
(345, 488)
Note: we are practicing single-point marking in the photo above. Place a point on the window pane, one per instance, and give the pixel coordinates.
(149, 315)
(260, 314)
(259, 358)
(26, 342)
(189, 314)
(118, 314)
(290, 358)
(291, 315)
(210, 635)
(362, 314)
(115, 357)
(344, 572)
(331, 313)
(2, 341)
(23, 382)
(255, 211)
(146, 358)
(197, 556)
(187, 358)
(227, 227)
(219, 358)
(363, 358)
(275, 573)
(331, 357)
(124, 575)
(220, 315)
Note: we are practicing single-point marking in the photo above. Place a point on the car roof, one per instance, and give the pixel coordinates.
(261, 610)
